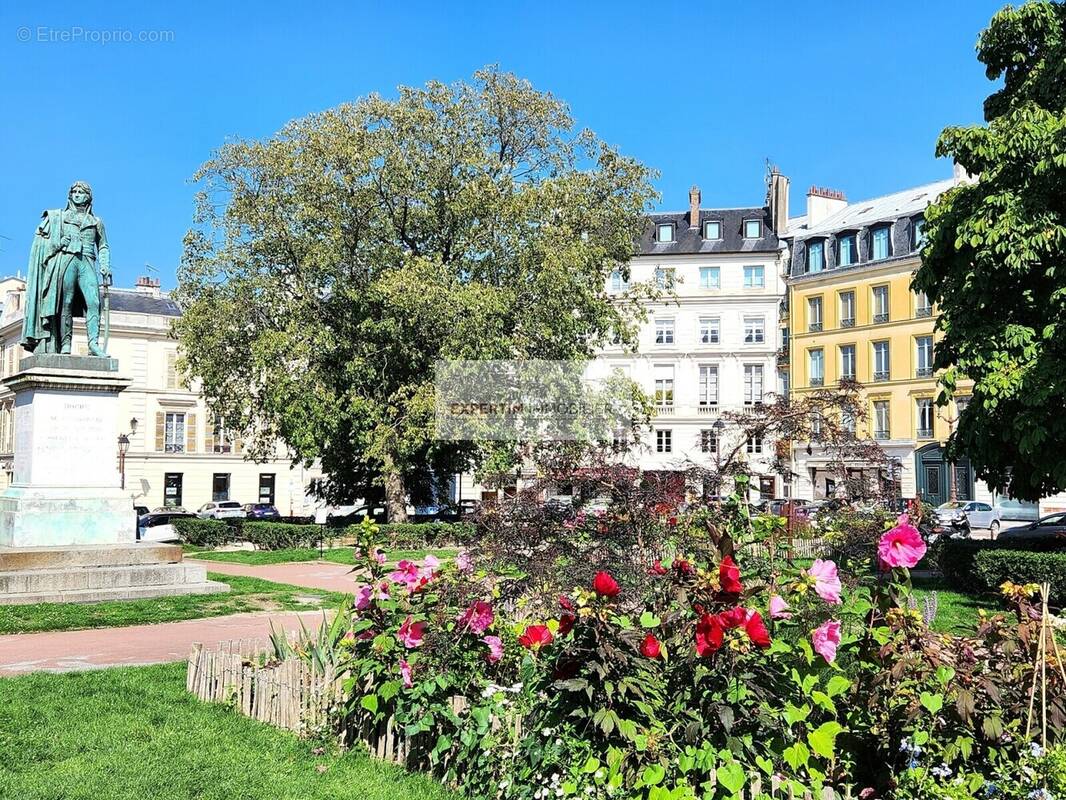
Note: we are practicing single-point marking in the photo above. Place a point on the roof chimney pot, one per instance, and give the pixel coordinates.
(694, 206)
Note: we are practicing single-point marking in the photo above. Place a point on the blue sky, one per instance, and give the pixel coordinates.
(840, 94)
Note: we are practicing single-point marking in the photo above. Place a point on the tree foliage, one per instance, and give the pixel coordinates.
(995, 259)
(332, 264)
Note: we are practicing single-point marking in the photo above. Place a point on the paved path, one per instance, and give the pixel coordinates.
(310, 574)
(66, 651)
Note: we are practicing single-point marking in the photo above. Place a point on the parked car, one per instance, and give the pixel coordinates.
(140, 511)
(977, 515)
(260, 511)
(1046, 529)
(443, 513)
(378, 513)
(171, 510)
(1018, 509)
(155, 527)
(222, 509)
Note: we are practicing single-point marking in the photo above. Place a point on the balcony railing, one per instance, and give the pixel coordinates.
(706, 409)
(925, 433)
(923, 372)
(927, 311)
(880, 318)
(880, 376)
(881, 435)
(664, 410)
(847, 323)
(817, 381)
(848, 377)
(814, 327)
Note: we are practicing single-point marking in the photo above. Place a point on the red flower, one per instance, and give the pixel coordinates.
(682, 566)
(672, 522)
(566, 623)
(729, 576)
(658, 569)
(651, 648)
(733, 618)
(604, 585)
(566, 602)
(709, 635)
(535, 637)
(756, 630)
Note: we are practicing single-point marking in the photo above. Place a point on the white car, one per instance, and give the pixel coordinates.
(222, 509)
(979, 515)
(159, 527)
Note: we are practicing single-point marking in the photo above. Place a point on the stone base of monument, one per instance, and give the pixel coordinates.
(67, 531)
(90, 573)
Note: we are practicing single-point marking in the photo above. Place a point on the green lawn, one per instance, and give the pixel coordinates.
(339, 555)
(956, 612)
(247, 594)
(133, 733)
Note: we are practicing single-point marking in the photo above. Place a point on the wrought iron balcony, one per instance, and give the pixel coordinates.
(925, 433)
(926, 311)
(847, 323)
(814, 327)
(817, 381)
(880, 318)
(880, 376)
(881, 435)
(923, 372)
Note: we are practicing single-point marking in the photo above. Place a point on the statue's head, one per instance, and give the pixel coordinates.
(80, 194)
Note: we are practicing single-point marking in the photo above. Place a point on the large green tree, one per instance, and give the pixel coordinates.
(330, 266)
(995, 259)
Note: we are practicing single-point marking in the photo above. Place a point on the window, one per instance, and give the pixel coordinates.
(881, 361)
(815, 256)
(847, 309)
(665, 232)
(816, 423)
(712, 229)
(882, 429)
(708, 388)
(172, 486)
(814, 313)
(880, 303)
(848, 252)
(754, 330)
(922, 306)
(847, 362)
(754, 277)
(924, 360)
(710, 330)
(664, 441)
(708, 441)
(881, 247)
(710, 278)
(925, 418)
(664, 385)
(816, 366)
(618, 281)
(752, 229)
(664, 331)
(752, 384)
(754, 444)
(665, 277)
(266, 488)
(174, 433)
(847, 421)
(917, 233)
(220, 486)
(221, 439)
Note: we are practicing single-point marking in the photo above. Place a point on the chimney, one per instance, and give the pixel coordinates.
(778, 201)
(694, 206)
(823, 203)
(148, 286)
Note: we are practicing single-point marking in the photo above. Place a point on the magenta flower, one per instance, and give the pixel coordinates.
(826, 581)
(477, 617)
(495, 648)
(411, 633)
(463, 562)
(779, 609)
(429, 567)
(406, 572)
(901, 546)
(826, 638)
(405, 671)
(362, 601)
(378, 555)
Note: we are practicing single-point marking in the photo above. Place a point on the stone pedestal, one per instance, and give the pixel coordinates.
(67, 531)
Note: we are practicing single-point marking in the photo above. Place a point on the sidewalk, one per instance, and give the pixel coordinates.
(309, 574)
(66, 651)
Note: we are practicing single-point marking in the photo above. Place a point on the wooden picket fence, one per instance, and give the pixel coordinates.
(294, 695)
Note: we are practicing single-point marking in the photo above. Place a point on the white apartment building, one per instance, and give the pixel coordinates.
(178, 453)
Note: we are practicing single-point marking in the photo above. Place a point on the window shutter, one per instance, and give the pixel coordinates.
(160, 430)
(238, 445)
(172, 370)
(209, 439)
(190, 433)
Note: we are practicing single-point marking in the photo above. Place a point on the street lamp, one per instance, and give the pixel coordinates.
(123, 448)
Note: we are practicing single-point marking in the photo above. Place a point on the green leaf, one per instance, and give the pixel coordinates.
(823, 738)
(731, 776)
(649, 620)
(370, 703)
(837, 685)
(591, 765)
(797, 755)
(652, 775)
(932, 702)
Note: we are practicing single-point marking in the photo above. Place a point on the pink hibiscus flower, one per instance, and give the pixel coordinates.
(411, 633)
(826, 581)
(477, 617)
(779, 609)
(429, 567)
(901, 546)
(406, 572)
(463, 562)
(826, 638)
(495, 648)
(405, 671)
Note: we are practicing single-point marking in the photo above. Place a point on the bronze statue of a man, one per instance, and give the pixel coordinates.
(61, 280)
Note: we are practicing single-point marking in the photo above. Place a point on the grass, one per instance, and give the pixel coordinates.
(338, 555)
(134, 733)
(246, 594)
(956, 612)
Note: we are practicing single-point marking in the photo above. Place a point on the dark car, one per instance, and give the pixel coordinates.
(260, 511)
(378, 513)
(1046, 530)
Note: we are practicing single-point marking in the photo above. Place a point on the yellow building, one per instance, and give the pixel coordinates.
(853, 315)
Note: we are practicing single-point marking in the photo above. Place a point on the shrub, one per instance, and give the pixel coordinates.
(958, 562)
(205, 532)
(280, 535)
(416, 535)
(994, 567)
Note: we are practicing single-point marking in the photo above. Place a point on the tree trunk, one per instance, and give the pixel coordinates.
(395, 497)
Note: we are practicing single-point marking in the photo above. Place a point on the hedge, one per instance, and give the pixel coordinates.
(413, 535)
(268, 535)
(281, 535)
(206, 532)
(976, 567)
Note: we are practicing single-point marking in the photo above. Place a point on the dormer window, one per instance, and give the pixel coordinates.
(712, 229)
(752, 229)
(665, 232)
(815, 256)
(847, 250)
(917, 234)
(881, 245)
